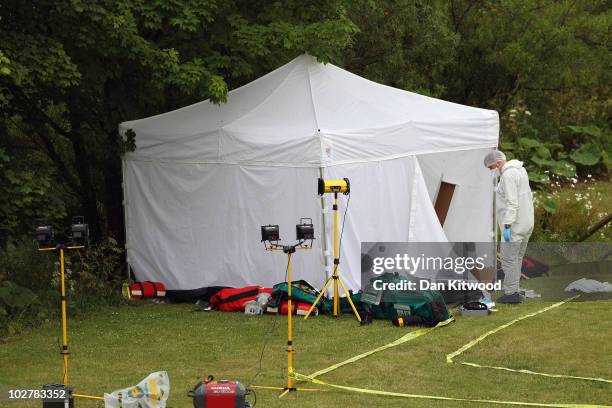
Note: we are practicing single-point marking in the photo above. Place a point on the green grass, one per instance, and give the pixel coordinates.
(117, 347)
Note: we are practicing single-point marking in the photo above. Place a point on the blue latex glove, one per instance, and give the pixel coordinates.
(507, 232)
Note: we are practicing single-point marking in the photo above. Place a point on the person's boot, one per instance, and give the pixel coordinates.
(512, 298)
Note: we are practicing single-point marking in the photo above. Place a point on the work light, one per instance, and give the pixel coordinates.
(79, 231)
(304, 230)
(270, 233)
(44, 234)
(334, 186)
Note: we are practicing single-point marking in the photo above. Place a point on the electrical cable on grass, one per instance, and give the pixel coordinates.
(267, 339)
(348, 201)
(288, 283)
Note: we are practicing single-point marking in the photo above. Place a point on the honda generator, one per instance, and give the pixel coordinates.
(221, 394)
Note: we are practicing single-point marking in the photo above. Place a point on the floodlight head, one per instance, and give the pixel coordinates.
(270, 233)
(79, 231)
(44, 234)
(334, 186)
(304, 230)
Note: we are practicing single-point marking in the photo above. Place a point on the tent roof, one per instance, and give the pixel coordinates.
(310, 114)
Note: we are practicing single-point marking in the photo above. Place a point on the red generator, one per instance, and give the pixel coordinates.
(221, 394)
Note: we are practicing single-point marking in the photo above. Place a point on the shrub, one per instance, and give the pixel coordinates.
(565, 212)
(30, 282)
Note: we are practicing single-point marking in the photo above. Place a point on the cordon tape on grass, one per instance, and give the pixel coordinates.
(407, 337)
(451, 356)
(435, 397)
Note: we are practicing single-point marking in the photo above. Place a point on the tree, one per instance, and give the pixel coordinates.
(526, 52)
(70, 71)
(406, 44)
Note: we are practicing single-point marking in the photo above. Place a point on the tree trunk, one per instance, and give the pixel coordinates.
(88, 194)
(113, 195)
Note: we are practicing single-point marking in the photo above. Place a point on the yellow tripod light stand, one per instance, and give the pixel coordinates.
(335, 187)
(270, 236)
(79, 238)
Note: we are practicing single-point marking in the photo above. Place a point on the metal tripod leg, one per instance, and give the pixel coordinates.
(318, 297)
(348, 296)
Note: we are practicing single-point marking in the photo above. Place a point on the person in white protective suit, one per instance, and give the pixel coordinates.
(514, 206)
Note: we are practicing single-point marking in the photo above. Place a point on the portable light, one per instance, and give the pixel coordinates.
(79, 236)
(270, 233)
(334, 186)
(44, 234)
(304, 230)
(79, 231)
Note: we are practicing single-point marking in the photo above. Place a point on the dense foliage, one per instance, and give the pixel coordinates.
(71, 70)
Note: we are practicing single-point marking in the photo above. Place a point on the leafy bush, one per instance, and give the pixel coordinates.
(30, 282)
(15, 301)
(574, 150)
(25, 194)
(25, 266)
(591, 148)
(566, 212)
(99, 268)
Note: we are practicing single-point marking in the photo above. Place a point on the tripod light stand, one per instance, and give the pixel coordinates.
(78, 239)
(335, 186)
(270, 236)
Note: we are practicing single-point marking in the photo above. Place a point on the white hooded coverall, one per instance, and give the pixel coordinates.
(514, 202)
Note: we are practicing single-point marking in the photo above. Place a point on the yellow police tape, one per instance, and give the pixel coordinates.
(301, 377)
(451, 356)
(407, 337)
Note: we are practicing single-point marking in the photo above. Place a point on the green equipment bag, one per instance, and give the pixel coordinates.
(327, 307)
(427, 304)
(301, 291)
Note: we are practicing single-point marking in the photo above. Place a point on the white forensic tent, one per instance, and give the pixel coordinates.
(204, 178)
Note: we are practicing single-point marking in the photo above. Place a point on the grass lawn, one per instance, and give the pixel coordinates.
(117, 347)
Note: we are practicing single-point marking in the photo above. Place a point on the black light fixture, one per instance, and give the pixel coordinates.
(304, 230)
(79, 231)
(44, 234)
(270, 233)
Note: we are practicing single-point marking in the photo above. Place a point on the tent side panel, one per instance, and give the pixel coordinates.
(378, 211)
(198, 225)
(469, 217)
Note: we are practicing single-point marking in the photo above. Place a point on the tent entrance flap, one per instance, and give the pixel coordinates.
(443, 200)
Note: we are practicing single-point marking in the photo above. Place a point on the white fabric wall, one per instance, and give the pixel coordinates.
(470, 216)
(389, 203)
(193, 226)
(198, 225)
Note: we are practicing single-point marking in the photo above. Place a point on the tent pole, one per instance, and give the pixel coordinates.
(323, 231)
(125, 218)
(494, 182)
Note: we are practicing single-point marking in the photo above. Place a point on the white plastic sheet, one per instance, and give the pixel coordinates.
(152, 392)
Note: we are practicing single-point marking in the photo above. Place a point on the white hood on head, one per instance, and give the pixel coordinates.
(512, 164)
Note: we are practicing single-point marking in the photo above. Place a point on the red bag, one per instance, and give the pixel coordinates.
(299, 308)
(147, 290)
(533, 267)
(234, 299)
